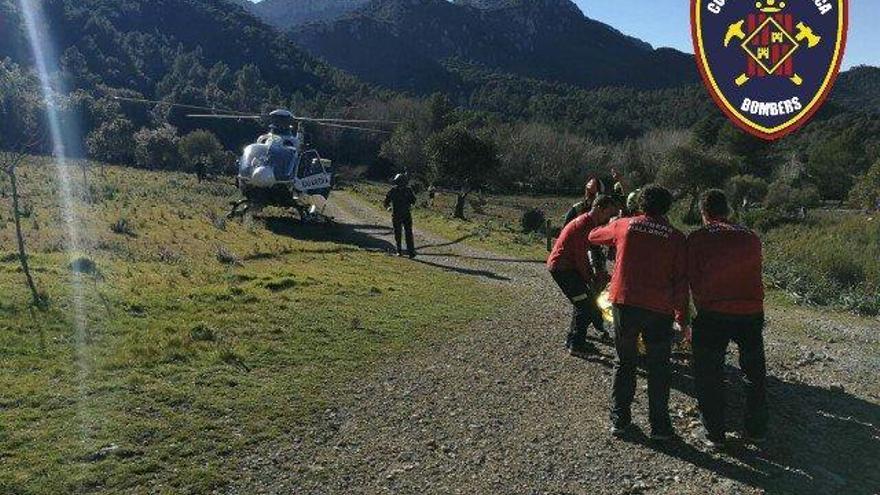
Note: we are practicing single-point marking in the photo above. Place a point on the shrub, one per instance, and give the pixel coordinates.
(111, 142)
(226, 256)
(784, 197)
(202, 149)
(746, 190)
(866, 193)
(533, 220)
(763, 219)
(157, 148)
(834, 261)
(122, 227)
(202, 333)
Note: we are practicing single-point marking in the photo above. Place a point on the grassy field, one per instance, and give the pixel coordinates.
(831, 260)
(200, 336)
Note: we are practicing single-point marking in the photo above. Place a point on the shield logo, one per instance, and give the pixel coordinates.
(769, 64)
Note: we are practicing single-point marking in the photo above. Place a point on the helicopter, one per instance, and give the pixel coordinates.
(279, 169)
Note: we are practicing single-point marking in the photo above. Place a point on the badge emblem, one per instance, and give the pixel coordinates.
(769, 64)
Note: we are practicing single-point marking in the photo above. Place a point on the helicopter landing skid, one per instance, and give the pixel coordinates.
(312, 216)
(237, 210)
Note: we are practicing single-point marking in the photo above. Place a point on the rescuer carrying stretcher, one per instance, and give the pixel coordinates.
(649, 291)
(579, 278)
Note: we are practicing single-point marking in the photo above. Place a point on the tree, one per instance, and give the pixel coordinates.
(745, 190)
(406, 150)
(9, 163)
(461, 160)
(835, 162)
(752, 150)
(786, 198)
(689, 171)
(156, 148)
(866, 193)
(440, 111)
(202, 150)
(112, 141)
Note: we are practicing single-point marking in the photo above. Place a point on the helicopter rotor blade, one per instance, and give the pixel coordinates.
(178, 105)
(229, 117)
(348, 121)
(352, 127)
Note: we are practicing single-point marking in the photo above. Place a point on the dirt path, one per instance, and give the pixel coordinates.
(502, 409)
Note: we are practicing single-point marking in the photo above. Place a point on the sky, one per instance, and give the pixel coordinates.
(667, 23)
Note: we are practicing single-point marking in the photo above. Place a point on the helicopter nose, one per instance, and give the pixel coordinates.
(263, 177)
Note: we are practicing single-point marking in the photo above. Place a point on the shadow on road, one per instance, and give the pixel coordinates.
(486, 258)
(448, 243)
(821, 441)
(464, 271)
(353, 235)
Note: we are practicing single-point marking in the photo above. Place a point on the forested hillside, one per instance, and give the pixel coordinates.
(548, 135)
(405, 45)
(285, 14)
(202, 52)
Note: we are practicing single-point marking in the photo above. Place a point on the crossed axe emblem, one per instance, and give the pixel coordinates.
(804, 34)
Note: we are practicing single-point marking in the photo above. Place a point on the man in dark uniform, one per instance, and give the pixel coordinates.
(648, 289)
(593, 188)
(570, 266)
(724, 271)
(400, 200)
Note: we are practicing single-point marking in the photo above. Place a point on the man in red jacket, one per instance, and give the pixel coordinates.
(570, 266)
(724, 269)
(648, 288)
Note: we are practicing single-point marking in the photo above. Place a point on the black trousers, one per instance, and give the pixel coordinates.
(401, 224)
(712, 333)
(586, 310)
(656, 328)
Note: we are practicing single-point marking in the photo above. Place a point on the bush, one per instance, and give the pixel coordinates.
(835, 261)
(866, 194)
(786, 198)
(122, 227)
(746, 190)
(202, 149)
(763, 219)
(112, 142)
(157, 148)
(533, 220)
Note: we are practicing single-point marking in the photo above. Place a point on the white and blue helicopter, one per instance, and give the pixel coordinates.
(279, 169)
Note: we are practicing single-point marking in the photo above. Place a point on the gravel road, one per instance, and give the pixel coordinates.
(503, 409)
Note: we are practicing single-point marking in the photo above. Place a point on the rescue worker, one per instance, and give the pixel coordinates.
(569, 265)
(593, 188)
(400, 200)
(648, 290)
(724, 272)
(632, 204)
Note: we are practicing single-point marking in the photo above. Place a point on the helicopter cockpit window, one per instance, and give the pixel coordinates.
(311, 165)
(281, 160)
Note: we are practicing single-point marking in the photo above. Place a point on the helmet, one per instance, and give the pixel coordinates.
(399, 179)
(632, 201)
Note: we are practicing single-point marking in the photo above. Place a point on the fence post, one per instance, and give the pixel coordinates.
(548, 230)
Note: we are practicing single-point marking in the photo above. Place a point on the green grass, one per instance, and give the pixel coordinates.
(834, 260)
(203, 337)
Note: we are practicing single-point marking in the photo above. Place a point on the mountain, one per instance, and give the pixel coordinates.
(406, 45)
(858, 89)
(286, 14)
(133, 44)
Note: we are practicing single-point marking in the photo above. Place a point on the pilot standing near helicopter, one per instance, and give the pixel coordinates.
(400, 200)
